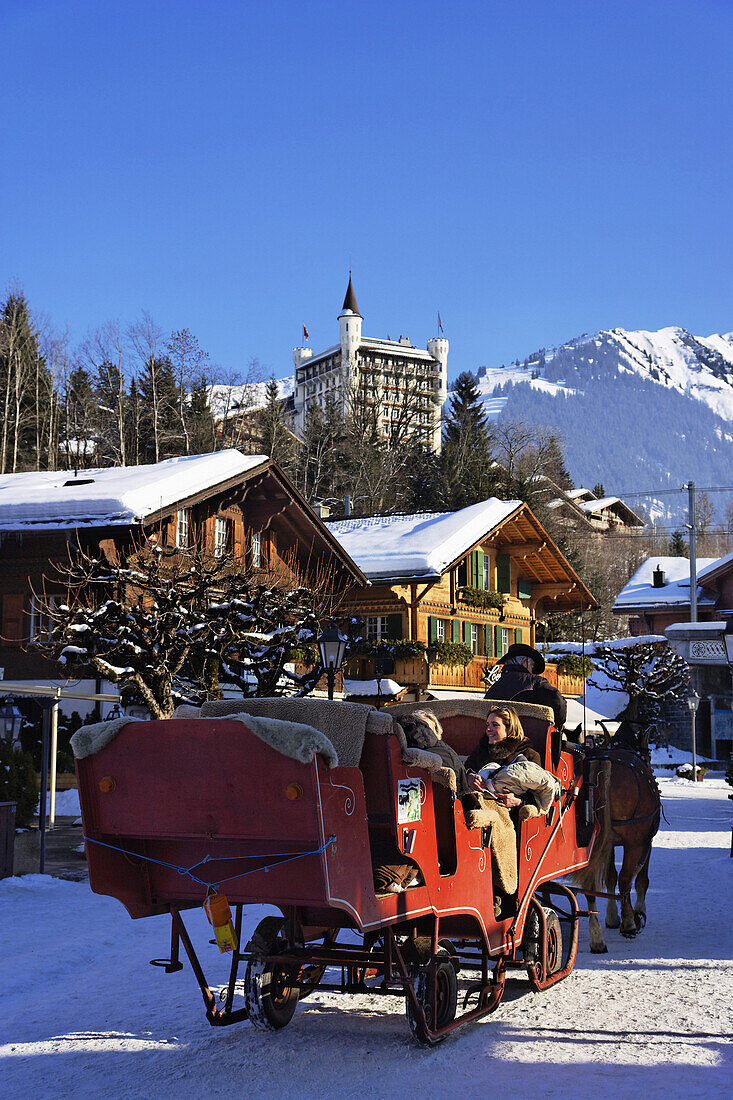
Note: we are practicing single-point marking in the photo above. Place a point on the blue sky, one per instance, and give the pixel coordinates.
(532, 170)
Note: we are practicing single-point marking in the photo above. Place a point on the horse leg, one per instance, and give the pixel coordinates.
(595, 932)
(642, 885)
(612, 917)
(633, 855)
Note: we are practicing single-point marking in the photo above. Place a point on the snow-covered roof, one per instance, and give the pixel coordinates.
(422, 545)
(576, 494)
(115, 496)
(710, 570)
(640, 591)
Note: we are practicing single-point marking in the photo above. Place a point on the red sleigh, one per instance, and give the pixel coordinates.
(171, 808)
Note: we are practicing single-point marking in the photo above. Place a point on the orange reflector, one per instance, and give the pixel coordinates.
(107, 784)
(294, 791)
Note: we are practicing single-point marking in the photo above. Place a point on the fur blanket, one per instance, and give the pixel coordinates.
(292, 739)
(344, 724)
(503, 844)
(89, 740)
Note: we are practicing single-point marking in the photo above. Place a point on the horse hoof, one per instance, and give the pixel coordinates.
(640, 921)
(599, 950)
(628, 933)
(614, 922)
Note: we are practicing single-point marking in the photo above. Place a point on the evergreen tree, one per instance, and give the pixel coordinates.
(466, 455)
(79, 420)
(109, 388)
(598, 491)
(554, 464)
(678, 544)
(159, 427)
(202, 434)
(277, 440)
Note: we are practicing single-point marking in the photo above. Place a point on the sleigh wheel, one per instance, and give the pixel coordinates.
(270, 988)
(438, 999)
(554, 941)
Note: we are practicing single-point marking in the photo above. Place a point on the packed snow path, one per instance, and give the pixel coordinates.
(83, 1015)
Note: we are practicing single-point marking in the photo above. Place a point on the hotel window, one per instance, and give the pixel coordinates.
(440, 629)
(256, 545)
(182, 527)
(504, 641)
(474, 637)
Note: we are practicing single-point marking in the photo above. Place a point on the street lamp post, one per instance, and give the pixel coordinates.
(331, 646)
(693, 702)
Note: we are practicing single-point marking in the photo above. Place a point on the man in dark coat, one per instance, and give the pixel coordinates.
(521, 681)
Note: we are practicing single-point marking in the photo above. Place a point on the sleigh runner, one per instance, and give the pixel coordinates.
(293, 807)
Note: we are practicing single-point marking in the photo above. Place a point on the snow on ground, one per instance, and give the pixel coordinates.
(83, 1015)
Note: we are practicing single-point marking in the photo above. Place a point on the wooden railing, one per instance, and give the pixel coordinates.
(416, 672)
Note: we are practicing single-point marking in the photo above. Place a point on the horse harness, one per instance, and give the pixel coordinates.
(631, 760)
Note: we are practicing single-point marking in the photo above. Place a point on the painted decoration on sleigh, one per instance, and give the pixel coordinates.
(408, 800)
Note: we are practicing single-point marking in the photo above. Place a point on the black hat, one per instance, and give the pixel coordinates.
(519, 649)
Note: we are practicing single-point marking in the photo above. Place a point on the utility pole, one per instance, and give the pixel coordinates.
(693, 549)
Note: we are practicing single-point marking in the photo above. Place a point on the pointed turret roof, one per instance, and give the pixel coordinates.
(350, 299)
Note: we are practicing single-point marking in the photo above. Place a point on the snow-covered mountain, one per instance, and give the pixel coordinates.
(700, 367)
(635, 410)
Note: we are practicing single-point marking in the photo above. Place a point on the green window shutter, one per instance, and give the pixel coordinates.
(524, 588)
(479, 569)
(474, 569)
(467, 633)
(518, 636)
(497, 641)
(489, 640)
(456, 630)
(432, 628)
(503, 573)
(394, 626)
(462, 574)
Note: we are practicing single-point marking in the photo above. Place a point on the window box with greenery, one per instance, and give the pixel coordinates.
(450, 653)
(402, 649)
(480, 597)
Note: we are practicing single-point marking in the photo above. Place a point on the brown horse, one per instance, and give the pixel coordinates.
(630, 819)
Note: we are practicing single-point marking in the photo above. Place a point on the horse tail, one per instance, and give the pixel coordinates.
(592, 875)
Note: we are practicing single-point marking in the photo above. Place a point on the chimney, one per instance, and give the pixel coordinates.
(658, 578)
(347, 504)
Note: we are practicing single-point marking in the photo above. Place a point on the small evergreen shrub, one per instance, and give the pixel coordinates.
(17, 783)
(573, 664)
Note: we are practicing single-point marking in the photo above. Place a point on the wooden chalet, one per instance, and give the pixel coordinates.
(231, 503)
(483, 575)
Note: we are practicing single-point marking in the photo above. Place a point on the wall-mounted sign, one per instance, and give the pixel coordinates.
(707, 650)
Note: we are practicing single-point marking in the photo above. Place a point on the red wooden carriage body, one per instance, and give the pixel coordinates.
(209, 795)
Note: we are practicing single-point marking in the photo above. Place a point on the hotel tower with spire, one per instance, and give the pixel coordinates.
(405, 385)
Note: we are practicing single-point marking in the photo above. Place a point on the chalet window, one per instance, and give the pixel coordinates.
(182, 527)
(383, 626)
(487, 572)
(222, 536)
(474, 637)
(440, 630)
(256, 550)
(505, 640)
(41, 618)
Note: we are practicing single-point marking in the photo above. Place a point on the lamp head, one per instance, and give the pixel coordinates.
(332, 646)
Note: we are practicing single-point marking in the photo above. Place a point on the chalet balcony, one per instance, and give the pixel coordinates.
(417, 672)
